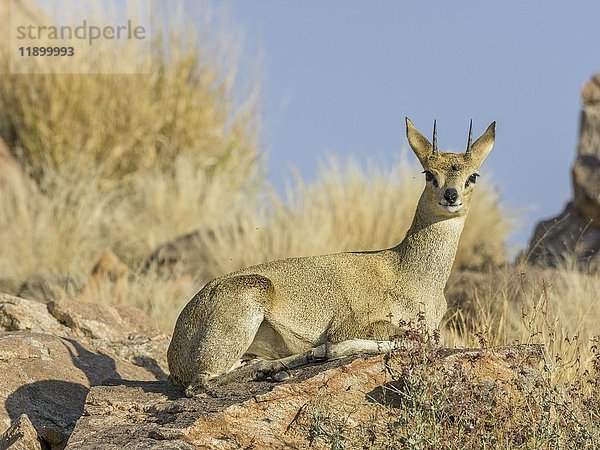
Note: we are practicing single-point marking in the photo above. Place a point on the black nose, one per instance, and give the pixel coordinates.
(450, 195)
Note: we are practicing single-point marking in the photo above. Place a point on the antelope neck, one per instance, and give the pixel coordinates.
(430, 245)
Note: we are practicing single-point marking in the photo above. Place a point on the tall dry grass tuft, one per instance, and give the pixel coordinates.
(186, 105)
(126, 162)
(160, 206)
(65, 232)
(62, 234)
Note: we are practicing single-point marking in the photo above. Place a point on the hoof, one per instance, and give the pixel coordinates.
(282, 376)
(198, 386)
(192, 391)
(318, 353)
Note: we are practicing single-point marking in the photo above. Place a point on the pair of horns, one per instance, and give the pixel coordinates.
(469, 141)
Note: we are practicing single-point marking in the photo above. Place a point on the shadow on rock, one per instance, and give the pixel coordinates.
(152, 365)
(97, 367)
(51, 378)
(53, 406)
(151, 387)
(390, 394)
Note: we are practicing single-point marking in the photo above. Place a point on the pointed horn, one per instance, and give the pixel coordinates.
(470, 141)
(435, 148)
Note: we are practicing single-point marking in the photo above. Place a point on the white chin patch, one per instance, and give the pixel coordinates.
(452, 208)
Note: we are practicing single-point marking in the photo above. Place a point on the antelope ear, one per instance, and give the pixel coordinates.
(419, 143)
(482, 146)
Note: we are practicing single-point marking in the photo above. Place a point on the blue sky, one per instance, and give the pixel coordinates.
(339, 77)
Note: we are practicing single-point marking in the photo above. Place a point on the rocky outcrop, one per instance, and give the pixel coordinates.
(52, 354)
(93, 376)
(109, 276)
(568, 238)
(179, 255)
(586, 171)
(574, 235)
(151, 415)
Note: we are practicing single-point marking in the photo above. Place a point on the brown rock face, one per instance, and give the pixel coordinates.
(20, 436)
(265, 415)
(575, 233)
(586, 171)
(48, 377)
(51, 354)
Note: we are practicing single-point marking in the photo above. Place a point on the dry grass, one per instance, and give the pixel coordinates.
(115, 126)
(126, 162)
(555, 307)
(65, 231)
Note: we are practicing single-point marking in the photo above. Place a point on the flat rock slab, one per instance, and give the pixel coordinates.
(155, 416)
(123, 331)
(265, 415)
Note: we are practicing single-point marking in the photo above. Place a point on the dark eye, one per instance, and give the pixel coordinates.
(472, 179)
(429, 177)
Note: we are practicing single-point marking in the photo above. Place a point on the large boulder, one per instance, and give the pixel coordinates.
(52, 354)
(574, 235)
